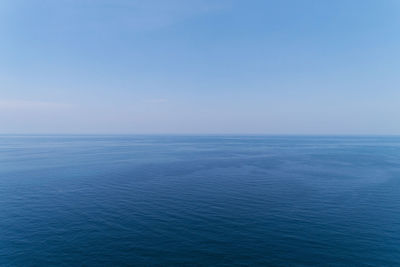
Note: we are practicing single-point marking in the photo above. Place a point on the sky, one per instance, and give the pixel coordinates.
(200, 67)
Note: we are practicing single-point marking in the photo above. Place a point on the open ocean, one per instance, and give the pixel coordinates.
(199, 201)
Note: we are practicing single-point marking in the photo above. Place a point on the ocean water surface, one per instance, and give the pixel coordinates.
(199, 201)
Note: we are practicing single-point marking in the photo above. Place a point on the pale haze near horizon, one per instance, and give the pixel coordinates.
(201, 66)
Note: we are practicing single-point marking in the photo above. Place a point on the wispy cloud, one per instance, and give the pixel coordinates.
(150, 14)
(30, 105)
(139, 15)
(157, 100)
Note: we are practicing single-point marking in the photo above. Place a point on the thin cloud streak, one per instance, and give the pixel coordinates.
(31, 105)
(157, 100)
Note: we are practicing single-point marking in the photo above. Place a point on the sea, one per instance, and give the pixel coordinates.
(209, 200)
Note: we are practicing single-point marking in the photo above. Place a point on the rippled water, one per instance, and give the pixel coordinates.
(199, 200)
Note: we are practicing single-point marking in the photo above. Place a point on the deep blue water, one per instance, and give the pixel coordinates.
(199, 201)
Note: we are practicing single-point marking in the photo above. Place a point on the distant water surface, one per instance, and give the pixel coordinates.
(199, 201)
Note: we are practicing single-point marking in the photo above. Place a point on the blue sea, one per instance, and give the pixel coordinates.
(199, 200)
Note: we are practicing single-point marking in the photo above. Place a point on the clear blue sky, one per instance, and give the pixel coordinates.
(200, 66)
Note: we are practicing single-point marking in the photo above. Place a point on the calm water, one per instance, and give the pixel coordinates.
(210, 200)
